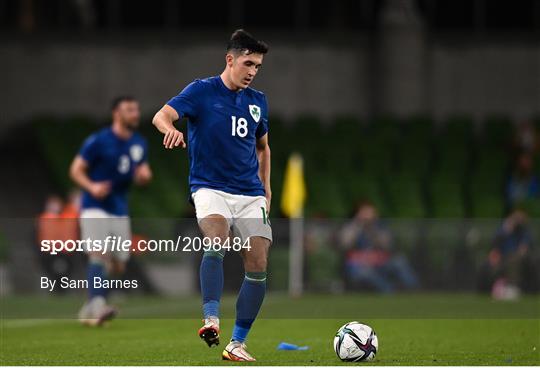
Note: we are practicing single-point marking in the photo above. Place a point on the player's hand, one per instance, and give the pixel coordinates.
(143, 174)
(174, 138)
(100, 189)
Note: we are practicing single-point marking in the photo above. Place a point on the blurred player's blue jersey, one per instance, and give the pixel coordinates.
(112, 159)
(223, 127)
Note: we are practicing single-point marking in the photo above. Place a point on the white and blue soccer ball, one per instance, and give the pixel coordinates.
(356, 342)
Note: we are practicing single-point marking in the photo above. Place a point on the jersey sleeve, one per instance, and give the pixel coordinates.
(187, 102)
(262, 128)
(90, 149)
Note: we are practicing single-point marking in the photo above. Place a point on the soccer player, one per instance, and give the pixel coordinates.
(108, 162)
(229, 179)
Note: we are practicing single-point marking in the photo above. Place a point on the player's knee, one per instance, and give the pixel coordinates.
(215, 226)
(255, 265)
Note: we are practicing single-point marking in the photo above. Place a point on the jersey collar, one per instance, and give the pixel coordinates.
(227, 90)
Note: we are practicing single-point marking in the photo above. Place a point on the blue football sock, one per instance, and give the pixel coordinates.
(248, 304)
(211, 274)
(96, 268)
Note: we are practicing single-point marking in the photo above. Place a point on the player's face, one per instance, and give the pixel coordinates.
(367, 214)
(244, 67)
(129, 114)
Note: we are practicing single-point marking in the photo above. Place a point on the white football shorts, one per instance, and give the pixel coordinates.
(247, 215)
(97, 224)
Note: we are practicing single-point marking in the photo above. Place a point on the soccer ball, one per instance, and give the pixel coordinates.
(355, 342)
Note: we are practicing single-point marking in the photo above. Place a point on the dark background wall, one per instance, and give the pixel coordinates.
(362, 57)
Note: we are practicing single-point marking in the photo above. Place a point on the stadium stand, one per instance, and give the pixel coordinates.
(409, 169)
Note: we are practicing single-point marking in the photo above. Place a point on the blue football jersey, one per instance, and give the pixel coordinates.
(223, 127)
(113, 159)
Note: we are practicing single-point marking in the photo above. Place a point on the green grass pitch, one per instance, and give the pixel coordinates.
(412, 330)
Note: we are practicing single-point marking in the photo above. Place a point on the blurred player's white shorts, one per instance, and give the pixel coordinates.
(247, 215)
(98, 224)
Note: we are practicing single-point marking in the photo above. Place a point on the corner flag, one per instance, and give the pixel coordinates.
(294, 188)
(292, 205)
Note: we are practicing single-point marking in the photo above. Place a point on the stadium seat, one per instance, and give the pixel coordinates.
(497, 132)
(343, 142)
(446, 194)
(414, 150)
(453, 145)
(378, 146)
(364, 186)
(58, 151)
(487, 194)
(278, 137)
(405, 196)
(325, 197)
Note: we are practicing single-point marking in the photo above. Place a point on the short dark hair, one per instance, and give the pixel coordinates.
(365, 202)
(242, 41)
(119, 99)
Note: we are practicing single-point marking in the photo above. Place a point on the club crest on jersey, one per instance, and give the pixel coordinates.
(255, 112)
(136, 152)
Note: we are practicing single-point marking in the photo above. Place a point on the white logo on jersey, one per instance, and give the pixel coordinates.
(124, 164)
(255, 112)
(136, 152)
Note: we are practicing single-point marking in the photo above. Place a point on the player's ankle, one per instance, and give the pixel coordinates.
(214, 319)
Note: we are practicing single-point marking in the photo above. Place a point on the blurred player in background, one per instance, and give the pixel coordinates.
(108, 162)
(229, 179)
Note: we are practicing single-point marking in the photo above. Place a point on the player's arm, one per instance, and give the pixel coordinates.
(263, 155)
(164, 122)
(78, 172)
